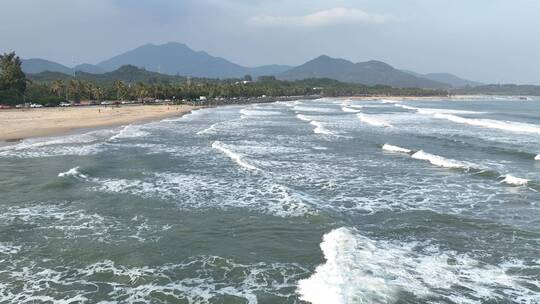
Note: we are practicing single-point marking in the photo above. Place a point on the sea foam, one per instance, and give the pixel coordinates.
(492, 124)
(441, 161)
(515, 181)
(237, 158)
(537, 157)
(349, 110)
(373, 121)
(391, 148)
(256, 112)
(73, 172)
(131, 131)
(359, 269)
(320, 128)
(303, 117)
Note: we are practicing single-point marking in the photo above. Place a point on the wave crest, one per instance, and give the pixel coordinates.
(362, 270)
(237, 158)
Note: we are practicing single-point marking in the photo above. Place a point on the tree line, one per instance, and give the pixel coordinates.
(131, 83)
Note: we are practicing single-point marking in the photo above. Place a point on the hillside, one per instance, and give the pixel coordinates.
(447, 78)
(34, 66)
(178, 59)
(368, 73)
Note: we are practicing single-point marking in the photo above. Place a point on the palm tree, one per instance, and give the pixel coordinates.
(141, 91)
(57, 87)
(121, 89)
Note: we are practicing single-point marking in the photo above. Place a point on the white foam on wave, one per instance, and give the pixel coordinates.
(209, 130)
(83, 138)
(433, 111)
(193, 192)
(515, 181)
(356, 106)
(73, 172)
(320, 128)
(62, 221)
(349, 110)
(492, 124)
(537, 157)
(9, 248)
(373, 121)
(303, 117)
(131, 131)
(199, 279)
(362, 270)
(252, 112)
(77, 144)
(314, 109)
(440, 161)
(390, 101)
(237, 158)
(391, 148)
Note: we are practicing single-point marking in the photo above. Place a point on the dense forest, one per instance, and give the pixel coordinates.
(132, 83)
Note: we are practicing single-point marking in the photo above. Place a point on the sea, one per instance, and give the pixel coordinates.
(311, 201)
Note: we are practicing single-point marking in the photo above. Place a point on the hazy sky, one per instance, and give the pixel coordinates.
(485, 40)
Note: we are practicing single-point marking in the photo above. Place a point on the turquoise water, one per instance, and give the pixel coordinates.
(326, 201)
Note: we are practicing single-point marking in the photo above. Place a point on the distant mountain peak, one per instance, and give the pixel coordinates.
(177, 58)
(369, 73)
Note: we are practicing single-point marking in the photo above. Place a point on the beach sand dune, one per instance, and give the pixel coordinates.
(19, 124)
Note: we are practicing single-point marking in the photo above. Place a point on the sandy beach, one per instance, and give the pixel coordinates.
(20, 124)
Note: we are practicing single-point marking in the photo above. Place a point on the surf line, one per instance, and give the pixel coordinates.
(237, 158)
(319, 126)
(443, 162)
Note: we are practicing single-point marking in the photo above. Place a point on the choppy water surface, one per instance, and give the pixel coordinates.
(327, 201)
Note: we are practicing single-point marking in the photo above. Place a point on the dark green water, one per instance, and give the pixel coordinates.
(281, 203)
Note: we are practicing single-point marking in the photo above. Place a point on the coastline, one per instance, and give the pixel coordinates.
(17, 125)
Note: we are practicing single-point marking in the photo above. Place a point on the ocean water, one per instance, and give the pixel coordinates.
(325, 201)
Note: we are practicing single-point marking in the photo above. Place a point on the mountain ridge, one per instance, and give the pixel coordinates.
(178, 59)
(369, 73)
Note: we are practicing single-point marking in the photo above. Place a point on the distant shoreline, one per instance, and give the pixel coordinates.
(19, 124)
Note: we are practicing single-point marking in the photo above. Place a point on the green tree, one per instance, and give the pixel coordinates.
(57, 87)
(121, 89)
(12, 78)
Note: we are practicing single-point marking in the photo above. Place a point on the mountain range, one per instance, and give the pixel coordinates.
(178, 59)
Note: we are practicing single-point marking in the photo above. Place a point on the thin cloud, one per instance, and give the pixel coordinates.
(322, 18)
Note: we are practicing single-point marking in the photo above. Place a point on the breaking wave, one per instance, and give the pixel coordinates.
(131, 131)
(492, 124)
(303, 117)
(391, 148)
(373, 121)
(250, 112)
(73, 172)
(237, 158)
(320, 128)
(313, 109)
(537, 157)
(349, 109)
(432, 111)
(515, 181)
(440, 161)
(362, 270)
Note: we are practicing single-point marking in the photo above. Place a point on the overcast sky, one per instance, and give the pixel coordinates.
(486, 40)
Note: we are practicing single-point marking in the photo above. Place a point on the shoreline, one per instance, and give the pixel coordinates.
(18, 125)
